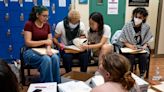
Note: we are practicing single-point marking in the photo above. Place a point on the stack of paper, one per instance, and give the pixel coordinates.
(97, 80)
(72, 47)
(74, 86)
(43, 87)
(128, 50)
(159, 87)
(43, 51)
(141, 83)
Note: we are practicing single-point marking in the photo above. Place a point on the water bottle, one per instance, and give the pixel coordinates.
(157, 74)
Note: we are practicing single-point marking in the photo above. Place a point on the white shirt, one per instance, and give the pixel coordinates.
(107, 32)
(61, 30)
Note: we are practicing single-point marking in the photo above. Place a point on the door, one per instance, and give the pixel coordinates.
(117, 21)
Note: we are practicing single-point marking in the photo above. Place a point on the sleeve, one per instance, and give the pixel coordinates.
(123, 36)
(59, 28)
(83, 30)
(28, 26)
(107, 31)
(49, 28)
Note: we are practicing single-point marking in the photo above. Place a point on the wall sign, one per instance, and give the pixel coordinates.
(138, 2)
(83, 1)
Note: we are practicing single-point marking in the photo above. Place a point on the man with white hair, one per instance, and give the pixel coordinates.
(67, 30)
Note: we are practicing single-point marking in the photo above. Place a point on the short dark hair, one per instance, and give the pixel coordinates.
(142, 11)
(97, 17)
(8, 80)
(35, 10)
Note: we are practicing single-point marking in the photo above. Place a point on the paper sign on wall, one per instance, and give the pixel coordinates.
(62, 3)
(28, 0)
(46, 3)
(112, 7)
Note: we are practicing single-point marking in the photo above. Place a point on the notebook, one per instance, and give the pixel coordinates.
(43, 51)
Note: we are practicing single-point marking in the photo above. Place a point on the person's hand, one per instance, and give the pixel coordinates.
(62, 46)
(134, 47)
(48, 42)
(144, 46)
(49, 53)
(84, 47)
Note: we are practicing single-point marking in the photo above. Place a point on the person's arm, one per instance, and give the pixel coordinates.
(134, 47)
(98, 45)
(58, 33)
(30, 43)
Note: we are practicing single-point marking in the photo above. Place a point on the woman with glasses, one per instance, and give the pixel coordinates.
(37, 35)
(115, 70)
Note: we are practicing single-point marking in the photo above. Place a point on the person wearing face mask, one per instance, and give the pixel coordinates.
(136, 34)
(67, 30)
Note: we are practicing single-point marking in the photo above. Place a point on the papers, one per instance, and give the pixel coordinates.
(44, 87)
(159, 87)
(97, 80)
(43, 51)
(72, 47)
(128, 50)
(74, 86)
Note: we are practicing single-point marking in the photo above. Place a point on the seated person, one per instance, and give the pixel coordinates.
(69, 29)
(8, 80)
(37, 35)
(115, 70)
(99, 36)
(136, 35)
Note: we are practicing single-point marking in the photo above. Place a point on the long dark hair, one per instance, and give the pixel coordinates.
(8, 80)
(119, 68)
(140, 10)
(36, 10)
(97, 17)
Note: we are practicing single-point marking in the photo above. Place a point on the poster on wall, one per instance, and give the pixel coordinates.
(112, 7)
(83, 1)
(46, 3)
(139, 3)
(62, 3)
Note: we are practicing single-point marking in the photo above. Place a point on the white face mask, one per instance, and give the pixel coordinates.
(73, 25)
(137, 21)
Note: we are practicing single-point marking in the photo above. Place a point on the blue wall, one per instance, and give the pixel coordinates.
(11, 39)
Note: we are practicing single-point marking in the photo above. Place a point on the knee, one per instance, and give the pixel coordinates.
(107, 48)
(46, 60)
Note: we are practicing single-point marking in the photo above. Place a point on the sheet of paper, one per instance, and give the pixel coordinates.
(28, 0)
(46, 3)
(159, 87)
(74, 86)
(128, 50)
(72, 47)
(45, 87)
(112, 7)
(62, 3)
(42, 51)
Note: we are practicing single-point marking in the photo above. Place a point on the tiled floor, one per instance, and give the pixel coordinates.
(154, 62)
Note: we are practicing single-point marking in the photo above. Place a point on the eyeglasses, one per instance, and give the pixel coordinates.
(45, 16)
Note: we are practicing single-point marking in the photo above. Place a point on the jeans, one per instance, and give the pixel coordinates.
(68, 57)
(48, 66)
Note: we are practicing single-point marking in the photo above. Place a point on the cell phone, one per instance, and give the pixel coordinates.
(37, 90)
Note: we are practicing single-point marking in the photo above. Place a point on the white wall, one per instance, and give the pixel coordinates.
(84, 11)
(161, 37)
(152, 18)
